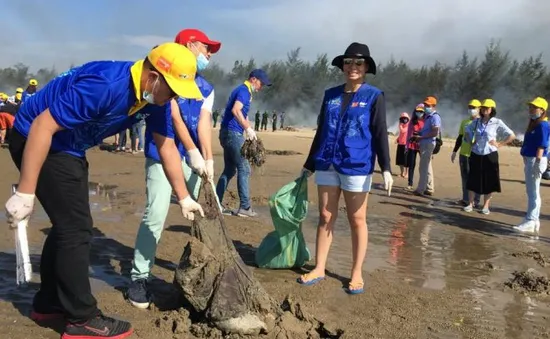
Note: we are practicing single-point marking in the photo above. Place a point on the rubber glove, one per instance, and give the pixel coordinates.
(453, 157)
(307, 172)
(19, 207)
(538, 169)
(250, 134)
(189, 207)
(210, 169)
(196, 161)
(388, 181)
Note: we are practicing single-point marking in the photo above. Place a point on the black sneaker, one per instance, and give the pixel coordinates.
(138, 294)
(98, 328)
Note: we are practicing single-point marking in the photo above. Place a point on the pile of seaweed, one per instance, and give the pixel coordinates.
(254, 152)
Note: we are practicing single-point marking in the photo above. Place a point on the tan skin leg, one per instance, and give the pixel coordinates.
(356, 206)
(329, 197)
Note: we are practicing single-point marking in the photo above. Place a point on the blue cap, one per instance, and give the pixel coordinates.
(261, 75)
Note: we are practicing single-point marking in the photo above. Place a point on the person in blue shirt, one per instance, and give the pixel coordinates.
(352, 132)
(426, 142)
(190, 121)
(30, 91)
(535, 158)
(52, 132)
(234, 124)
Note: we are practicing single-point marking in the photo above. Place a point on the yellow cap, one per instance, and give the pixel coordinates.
(540, 103)
(33, 82)
(489, 103)
(3, 95)
(19, 90)
(18, 96)
(178, 65)
(474, 103)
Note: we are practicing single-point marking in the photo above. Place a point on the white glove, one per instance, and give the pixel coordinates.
(189, 207)
(196, 161)
(250, 134)
(305, 171)
(19, 207)
(210, 169)
(388, 181)
(453, 157)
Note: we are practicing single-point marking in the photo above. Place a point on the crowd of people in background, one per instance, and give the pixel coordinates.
(480, 135)
(10, 104)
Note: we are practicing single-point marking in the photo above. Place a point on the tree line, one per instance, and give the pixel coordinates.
(298, 84)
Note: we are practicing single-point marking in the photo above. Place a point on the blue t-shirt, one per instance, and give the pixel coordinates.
(537, 138)
(430, 121)
(243, 94)
(190, 110)
(90, 102)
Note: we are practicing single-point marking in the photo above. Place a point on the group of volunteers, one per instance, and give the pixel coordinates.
(480, 135)
(9, 105)
(78, 109)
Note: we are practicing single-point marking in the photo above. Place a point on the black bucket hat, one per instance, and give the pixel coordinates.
(356, 50)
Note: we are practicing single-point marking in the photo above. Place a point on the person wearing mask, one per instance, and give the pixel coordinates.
(190, 121)
(234, 127)
(52, 132)
(16, 98)
(265, 118)
(257, 118)
(426, 141)
(415, 126)
(30, 91)
(465, 149)
(351, 135)
(484, 134)
(401, 141)
(535, 159)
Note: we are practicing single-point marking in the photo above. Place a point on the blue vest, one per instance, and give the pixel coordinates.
(346, 140)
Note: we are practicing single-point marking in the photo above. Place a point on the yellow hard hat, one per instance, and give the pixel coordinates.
(33, 82)
(474, 103)
(489, 103)
(540, 103)
(19, 90)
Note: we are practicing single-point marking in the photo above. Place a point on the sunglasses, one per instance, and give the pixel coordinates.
(356, 62)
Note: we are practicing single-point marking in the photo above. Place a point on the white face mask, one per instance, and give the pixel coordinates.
(473, 112)
(535, 116)
(149, 96)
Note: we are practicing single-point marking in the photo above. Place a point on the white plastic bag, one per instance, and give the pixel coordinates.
(23, 260)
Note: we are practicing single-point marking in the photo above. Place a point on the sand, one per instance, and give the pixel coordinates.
(432, 271)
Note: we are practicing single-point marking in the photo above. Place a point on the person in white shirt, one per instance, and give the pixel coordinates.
(486, 134)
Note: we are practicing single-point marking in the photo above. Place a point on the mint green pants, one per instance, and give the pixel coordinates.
(159, 192)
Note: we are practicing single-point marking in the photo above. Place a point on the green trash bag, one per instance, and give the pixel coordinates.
(285, 247)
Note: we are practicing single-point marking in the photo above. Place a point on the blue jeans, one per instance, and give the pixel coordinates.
(532, 186)
(464, 172)
(234, 163)
(136, 133)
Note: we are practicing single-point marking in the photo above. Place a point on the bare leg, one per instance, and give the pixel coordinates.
(486, 200)
(328, 212)
(356, 206)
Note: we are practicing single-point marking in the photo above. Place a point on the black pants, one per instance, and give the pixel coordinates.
(63, 192)
(411, 161)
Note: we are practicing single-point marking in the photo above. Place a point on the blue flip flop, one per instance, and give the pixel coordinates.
(354, 291)
(310, 282)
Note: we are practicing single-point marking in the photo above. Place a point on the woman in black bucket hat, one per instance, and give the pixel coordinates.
(351, 134)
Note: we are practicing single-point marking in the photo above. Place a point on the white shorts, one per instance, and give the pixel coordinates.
(350, 183)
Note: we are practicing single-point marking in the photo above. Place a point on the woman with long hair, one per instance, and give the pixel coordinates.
(415, 126)
(484, 134)
(535, 159)
(351, 134)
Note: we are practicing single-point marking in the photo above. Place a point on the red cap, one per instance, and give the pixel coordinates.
(192, 35)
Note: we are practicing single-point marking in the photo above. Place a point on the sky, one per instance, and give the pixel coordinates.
(62, 32)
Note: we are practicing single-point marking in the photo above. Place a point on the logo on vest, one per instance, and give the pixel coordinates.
(358, 104)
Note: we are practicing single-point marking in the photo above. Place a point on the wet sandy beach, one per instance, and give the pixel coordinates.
(432, 271)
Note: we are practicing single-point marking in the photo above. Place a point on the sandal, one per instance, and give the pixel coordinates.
(355, 288)
(303, 280)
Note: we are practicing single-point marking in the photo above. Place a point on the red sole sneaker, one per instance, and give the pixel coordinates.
(120, 336)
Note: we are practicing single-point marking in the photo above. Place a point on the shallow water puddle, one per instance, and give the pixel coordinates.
(432, 254)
